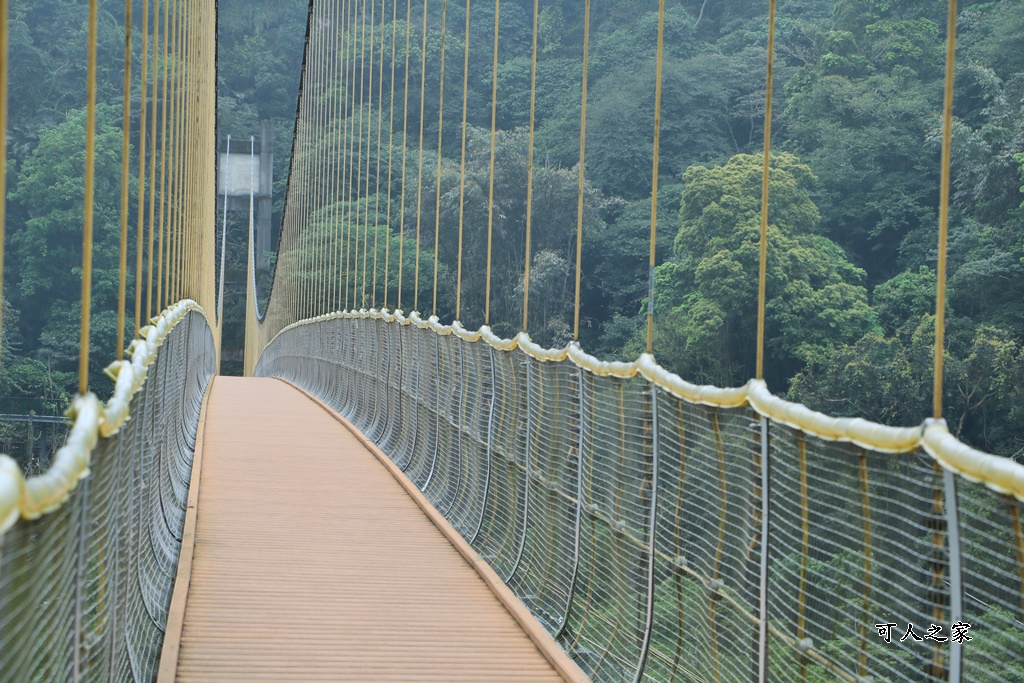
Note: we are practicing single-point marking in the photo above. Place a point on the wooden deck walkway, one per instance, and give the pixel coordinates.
(305, 559)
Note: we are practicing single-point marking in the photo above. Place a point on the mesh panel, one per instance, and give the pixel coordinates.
(84, 590)
(630, 520)
(992, 553)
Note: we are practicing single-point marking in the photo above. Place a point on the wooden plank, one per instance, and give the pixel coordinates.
(176, 611)
(310, 564)
(548, 646)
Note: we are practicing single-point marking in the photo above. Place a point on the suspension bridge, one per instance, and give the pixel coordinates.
(388, 497)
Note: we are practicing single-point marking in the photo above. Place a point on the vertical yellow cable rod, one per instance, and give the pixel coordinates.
(391, 150)
(322, 109)
(490, 182)
(173, 152)
(308, 99)
(940, 270)
(351, 260)
(329, 189)
(4, 41)
(334, 81)
(152, 159)
(163, 161)
(582, 178)
(369, 142)
(380, 121)
(529, 170)
(179, 162)
(462, 170)
(765, 172)
(419, 179)
(341, 155)
(440, 137)
(174, 204)
(90, 188)
(186, 167)
(346, 177)
(301, 199)
(197, 160)
(168, 191)
(140, 220)
(654, 178)
(323, 146)
(303, 233)
(193, 165)
(312, 224)
(307, 242)
(359, 159)
(126, 124)
(405, 152)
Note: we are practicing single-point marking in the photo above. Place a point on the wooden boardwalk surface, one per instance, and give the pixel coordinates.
(310, 562)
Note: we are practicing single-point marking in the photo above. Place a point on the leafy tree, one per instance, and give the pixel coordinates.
(707, 296)
(47, 247)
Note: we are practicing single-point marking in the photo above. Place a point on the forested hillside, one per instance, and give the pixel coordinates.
(854, 187)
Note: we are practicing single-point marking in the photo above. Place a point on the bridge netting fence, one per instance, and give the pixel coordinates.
(86, 575)
(663, 531)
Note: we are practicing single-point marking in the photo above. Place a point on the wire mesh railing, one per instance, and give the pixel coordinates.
(629, 510)
(86, 575)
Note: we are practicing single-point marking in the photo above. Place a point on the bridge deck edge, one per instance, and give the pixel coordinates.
(168, 670)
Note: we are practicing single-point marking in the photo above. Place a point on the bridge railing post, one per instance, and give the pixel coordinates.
(652, 523)
(762, 612)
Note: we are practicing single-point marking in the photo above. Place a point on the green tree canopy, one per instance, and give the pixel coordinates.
(707, 295)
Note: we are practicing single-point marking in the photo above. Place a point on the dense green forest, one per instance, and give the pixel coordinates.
(854, 188)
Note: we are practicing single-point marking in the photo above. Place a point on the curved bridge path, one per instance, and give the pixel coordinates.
(311, 559)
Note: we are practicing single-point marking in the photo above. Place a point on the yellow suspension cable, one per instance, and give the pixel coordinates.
(391, 150)
(168, 189)
(529, 170)
(462, 170)
(186, 169)
(299, 198)
(307, 237)
(334, 80)
(490, 189)
(352, 261)
(163, 162)
(380, 115)
(339, 154)
(140, 220)
(4, 41)
(346, 164)
(301, 251)
(316, 303)
(179, 161)
(152, 159)
(174, 204)
(188, 165)
(766, 168)
(369, 141)
(323, 143)
(405, 151)
(90, 188)
(583, 156)
(126, 122)
(318, 251)
(419, 179)
(940, 271)
(440, 137)
(652, 255)
(329, 189)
